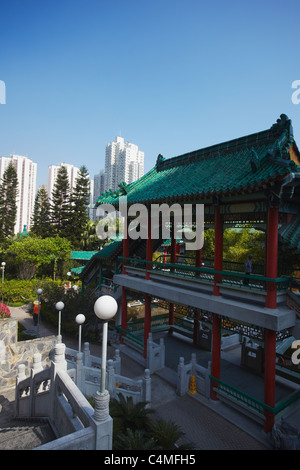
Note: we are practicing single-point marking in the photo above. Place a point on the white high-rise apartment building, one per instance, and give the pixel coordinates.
(52, 175)
(123, 162)
(26, 173)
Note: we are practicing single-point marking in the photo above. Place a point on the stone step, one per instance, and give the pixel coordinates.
(25, 435)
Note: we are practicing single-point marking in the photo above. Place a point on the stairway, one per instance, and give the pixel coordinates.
(20, 434)
(25, 435)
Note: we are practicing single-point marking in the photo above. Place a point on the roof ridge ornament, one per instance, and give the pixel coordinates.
(159, 161)
(283, 123)
(123, 187)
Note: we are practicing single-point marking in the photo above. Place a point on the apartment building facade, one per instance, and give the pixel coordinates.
(26, 173)
(123, 162)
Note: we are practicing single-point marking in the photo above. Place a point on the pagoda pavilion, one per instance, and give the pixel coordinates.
(249, 181)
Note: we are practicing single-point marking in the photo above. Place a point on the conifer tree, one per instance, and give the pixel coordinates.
(60, 205)
(8, 201)
(41, 219)
(79, 205)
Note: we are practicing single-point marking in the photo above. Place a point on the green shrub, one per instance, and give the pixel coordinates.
(16, 291)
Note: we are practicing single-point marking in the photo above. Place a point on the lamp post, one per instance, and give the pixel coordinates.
(3, 269)
(80, 319)
(105, 309)
(59, 306)
(39, 293)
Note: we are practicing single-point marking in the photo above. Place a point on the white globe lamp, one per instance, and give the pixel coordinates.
(105, 309)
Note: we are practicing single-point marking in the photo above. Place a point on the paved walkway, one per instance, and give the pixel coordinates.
(208, 426)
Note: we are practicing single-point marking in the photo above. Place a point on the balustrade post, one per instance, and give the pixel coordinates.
(36, 368)
(86, 355)
(20, 377)
(180, 378)
(147, 387)
(80, 376)
(59, 363)
(103, 422)
(117, 362)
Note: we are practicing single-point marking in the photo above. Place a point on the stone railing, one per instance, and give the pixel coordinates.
(85, 370)
(51, 393)
(200, 373)
(91, 361)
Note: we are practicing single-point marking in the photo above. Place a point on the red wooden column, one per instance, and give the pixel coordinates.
(124, 293)
(125, 246)
(272, 256)
(270, 362)
(216, 354)
(149, 247)
(147, 321)
(198, 259)
(124, 312)
(218, 248)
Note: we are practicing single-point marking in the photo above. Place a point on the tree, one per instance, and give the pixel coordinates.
(60, 206)
(32, 253)
(89, 239)
(41, 218)
(8, 201)
(79, 202)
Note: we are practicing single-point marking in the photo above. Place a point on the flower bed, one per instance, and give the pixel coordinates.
(4, 311)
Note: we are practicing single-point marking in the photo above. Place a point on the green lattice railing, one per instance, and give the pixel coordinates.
(210, 275)
(252, 403)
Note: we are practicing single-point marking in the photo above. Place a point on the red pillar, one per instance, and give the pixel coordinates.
(272, 256)
(216, 354)
(124, 312)
(147, 321)
(149, 247)
(199, 258)
(125, 246)
(173, 249)
(270, 362)
(218, 248)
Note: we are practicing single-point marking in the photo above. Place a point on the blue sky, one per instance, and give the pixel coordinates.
(171, 76)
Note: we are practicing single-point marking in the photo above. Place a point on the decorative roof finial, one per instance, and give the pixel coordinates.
(159, 161)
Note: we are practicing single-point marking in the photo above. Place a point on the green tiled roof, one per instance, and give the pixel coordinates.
(77, 271)
(245, 163)
(83, 255)
(109, 251)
